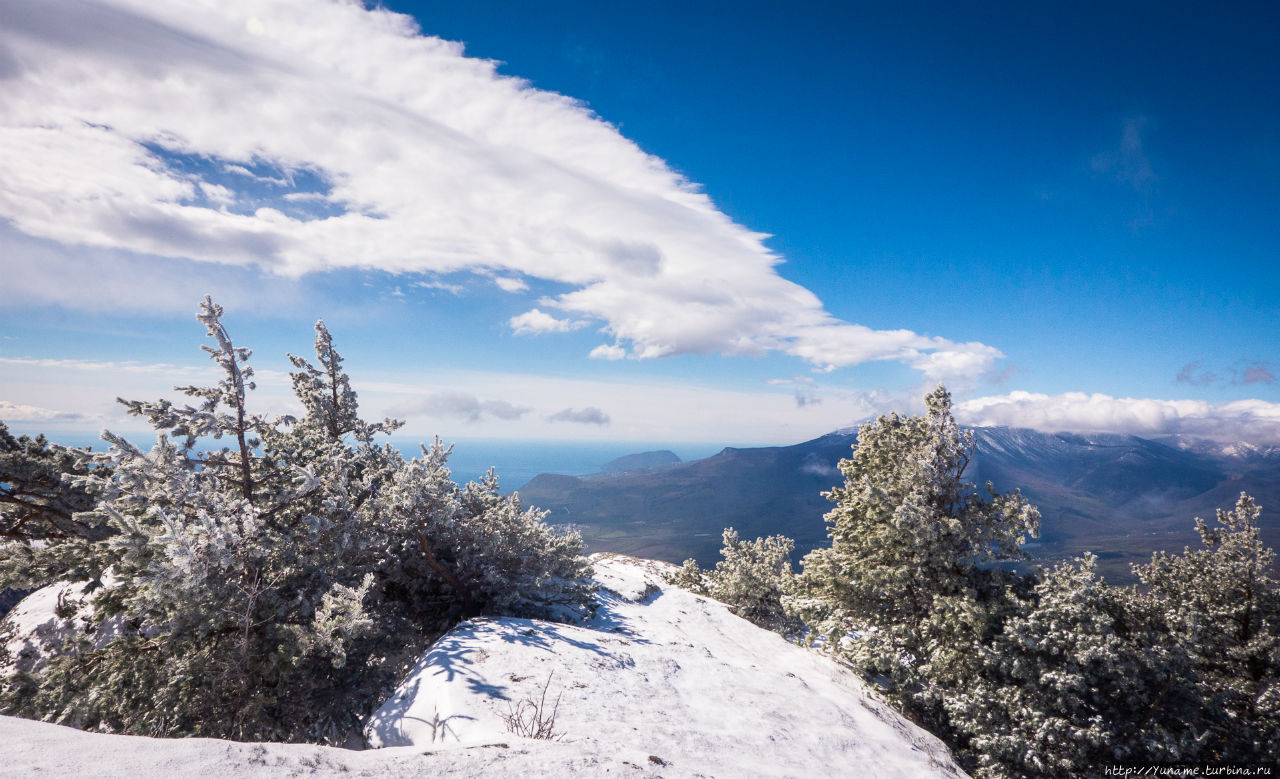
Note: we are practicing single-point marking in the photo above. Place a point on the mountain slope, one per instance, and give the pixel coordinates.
(1122, 497)
(660, 677)
(679, 510)
(659, 683)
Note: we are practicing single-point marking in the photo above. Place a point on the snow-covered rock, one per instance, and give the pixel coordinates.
(37, 628)
(659, 678)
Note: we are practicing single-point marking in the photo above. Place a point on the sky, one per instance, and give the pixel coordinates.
(740, 223)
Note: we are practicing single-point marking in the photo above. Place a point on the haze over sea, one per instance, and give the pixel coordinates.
(516, 461)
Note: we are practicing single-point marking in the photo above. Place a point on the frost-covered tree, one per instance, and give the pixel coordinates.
(690, 576)
(326, 393)
(1075, 678)
(751, 578)
(907, 534)
(1221, 604)
(267, 588)
(46, 491)
(473, 549)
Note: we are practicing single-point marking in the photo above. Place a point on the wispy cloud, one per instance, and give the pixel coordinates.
(178, 129)
(587, 416)
(1127, 162)
(16, 412)
(458, 405)
(1255, 421)
(807, 399)
(1243, 373)
(452, 289)
(1193, 373)
(1255, 373)
(109, 366)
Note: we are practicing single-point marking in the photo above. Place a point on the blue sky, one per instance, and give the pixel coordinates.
(713, 222)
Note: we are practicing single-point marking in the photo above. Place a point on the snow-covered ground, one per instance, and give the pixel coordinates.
(660, 683)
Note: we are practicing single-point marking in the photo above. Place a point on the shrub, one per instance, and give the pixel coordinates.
(267, 589)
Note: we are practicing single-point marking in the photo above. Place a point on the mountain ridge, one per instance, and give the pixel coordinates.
(1120, 496)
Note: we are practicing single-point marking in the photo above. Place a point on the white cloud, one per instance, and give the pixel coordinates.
(206, 372)
(507, 284)
(608, 352)
(807, 398)
(452, 289)
(535, 321)
(16, 412)
(42, 272)
(1255, 421)
(420, 160)
(109, 366)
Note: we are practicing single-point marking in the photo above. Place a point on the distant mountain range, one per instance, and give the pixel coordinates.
(1120, 496)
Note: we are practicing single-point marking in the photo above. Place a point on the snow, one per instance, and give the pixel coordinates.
(33, 632)
(659, 672)
(37, 631)
(660, 682)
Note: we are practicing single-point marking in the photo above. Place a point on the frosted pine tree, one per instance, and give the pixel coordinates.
(1074, 680)
(222, 560)
(477, 550)
(47, 492)
(325, 392)
(248, 579)
(752, 577)
(690, 576)
(907, 531)
(1221, 604)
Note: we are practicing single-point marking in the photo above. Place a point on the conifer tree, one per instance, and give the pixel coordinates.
(907, 533)
(753, 576)
(46, 493)
(1221, 604)
(265, 589)
(1075, 678)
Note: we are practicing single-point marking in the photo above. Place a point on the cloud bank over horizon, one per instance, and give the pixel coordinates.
(294, 138)
(1254, 421)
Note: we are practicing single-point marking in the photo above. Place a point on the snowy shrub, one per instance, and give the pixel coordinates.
(268, 588)
(690, 576)
(533, 718)
(751, 579)
(1073, 680)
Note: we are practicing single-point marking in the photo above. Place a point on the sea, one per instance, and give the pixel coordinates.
(515, 461)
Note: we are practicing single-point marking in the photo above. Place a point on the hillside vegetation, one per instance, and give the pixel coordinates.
(1046, 673)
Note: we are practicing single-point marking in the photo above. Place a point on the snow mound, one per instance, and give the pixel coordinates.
(659, 679)
(660, 683)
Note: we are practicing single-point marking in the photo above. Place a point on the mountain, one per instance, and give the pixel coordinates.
(635, 462)
(659, 683)
(1120, 496)
(679, 510)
